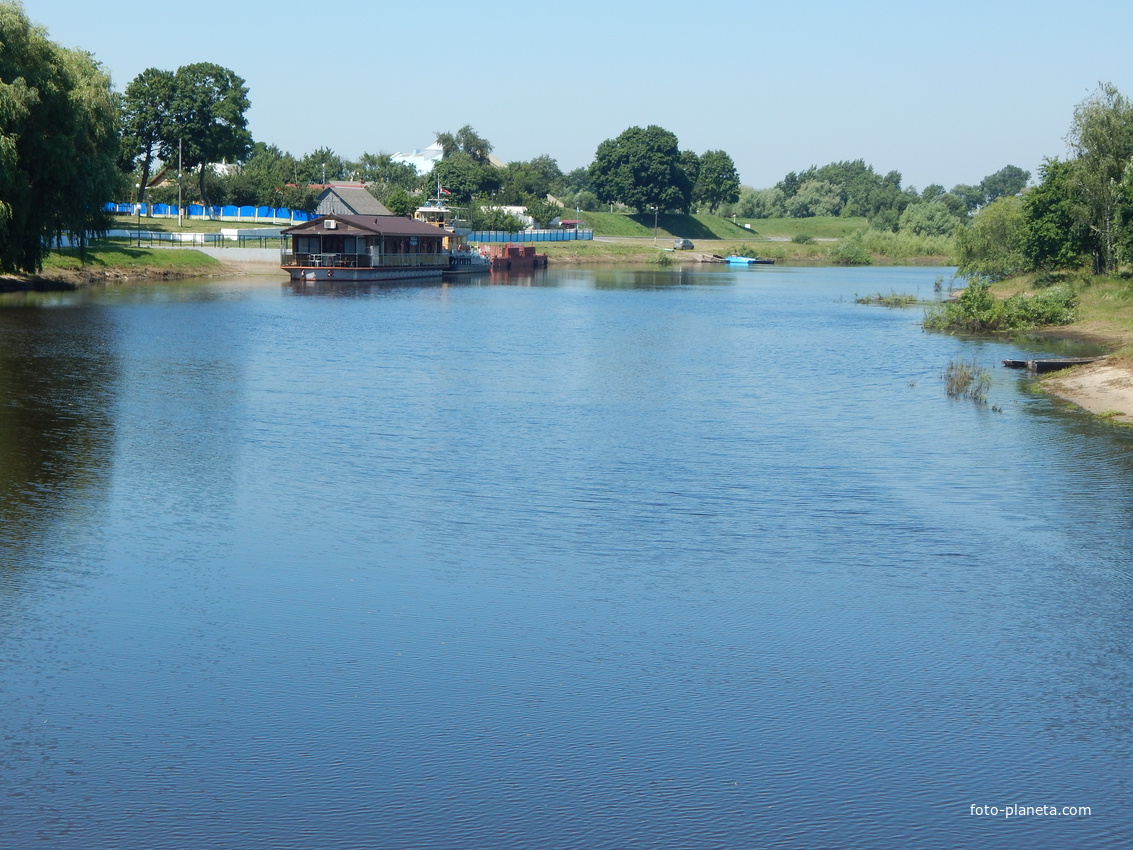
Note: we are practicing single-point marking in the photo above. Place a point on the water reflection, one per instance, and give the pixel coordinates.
(58, 381)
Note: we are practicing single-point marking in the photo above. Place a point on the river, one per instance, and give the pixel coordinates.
(590, 559)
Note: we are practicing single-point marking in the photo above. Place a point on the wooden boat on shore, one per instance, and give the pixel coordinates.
(1050, 364)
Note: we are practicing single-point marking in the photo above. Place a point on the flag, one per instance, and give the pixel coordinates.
(445, 191)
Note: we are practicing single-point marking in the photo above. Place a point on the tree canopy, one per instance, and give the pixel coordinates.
(59, 141)
(209, 103)
(643, 169)
(717, 181)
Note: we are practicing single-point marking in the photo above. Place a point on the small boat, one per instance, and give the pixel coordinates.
(735, 260)
(1049, 364)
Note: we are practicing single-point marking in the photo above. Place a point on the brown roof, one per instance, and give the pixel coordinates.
(380, 225)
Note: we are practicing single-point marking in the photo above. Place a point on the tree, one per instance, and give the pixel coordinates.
(466, 141)
(59, 142)
(382, 175)
(399, 202)
(1101, 137)
(642, 169)
(147, 121)
(464, 177)
(929, 218)
(814, 197)
(208, 108)
(1056, 232)
(543, 212)
(321, 166)
(1009, 180)
(990, 248)
(535, 178)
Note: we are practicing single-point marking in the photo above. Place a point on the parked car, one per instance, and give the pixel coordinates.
(683, 245)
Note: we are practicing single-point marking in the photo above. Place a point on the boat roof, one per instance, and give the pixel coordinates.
(377, 225)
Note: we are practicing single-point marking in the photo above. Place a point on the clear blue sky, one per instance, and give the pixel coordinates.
(943, 92)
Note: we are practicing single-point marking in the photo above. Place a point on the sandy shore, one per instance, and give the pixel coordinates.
(1104, 388)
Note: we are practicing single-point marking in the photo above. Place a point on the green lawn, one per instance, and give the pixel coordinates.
(122, 258)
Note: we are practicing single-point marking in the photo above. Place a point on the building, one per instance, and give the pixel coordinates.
(348, 199)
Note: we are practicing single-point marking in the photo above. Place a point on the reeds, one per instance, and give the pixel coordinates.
(967, 379)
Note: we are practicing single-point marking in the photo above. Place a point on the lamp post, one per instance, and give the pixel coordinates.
(655, 211)
(138, 207)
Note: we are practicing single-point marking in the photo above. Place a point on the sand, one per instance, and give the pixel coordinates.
(1104, 388)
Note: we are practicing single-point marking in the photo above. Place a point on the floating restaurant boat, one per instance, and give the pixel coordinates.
(363, 248)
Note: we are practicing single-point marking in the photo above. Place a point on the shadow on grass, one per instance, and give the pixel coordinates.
(682, 226)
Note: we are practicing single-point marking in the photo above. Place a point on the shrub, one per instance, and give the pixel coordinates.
(852, 252)
(978, 311)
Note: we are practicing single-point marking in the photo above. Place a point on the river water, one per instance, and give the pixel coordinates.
(590, 559)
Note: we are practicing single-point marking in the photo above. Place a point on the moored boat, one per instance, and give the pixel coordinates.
(735, 260)
(350, 248)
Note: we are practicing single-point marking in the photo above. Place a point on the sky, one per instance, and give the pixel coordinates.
(944, 93)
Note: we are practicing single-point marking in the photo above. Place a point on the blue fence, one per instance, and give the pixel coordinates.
(529, 235)
(229, 213)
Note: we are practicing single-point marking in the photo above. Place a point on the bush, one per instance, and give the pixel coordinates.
(978, 311)
(852, 252)
(802, 239)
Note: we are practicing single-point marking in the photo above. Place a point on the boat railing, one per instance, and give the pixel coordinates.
(289, 257)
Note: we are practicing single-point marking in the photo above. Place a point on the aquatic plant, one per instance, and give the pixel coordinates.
(893, 299)
(967, 379)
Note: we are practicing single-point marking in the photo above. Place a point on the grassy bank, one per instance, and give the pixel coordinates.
(66, 267)
(1104, 312)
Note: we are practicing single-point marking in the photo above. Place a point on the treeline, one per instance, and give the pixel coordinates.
(1079, 217)
(853, 188)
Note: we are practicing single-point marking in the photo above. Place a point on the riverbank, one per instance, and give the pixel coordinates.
(1105, 317)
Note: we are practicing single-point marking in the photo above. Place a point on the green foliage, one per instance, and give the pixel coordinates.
(483, 216)
(466, 141)
(852, 252)
(59, 141)
(642, 168)
(208, 117)
(147, 122)
(535, 178)
(991, 246)
(717, 180)
(813, 198)
(400, 202)
(321, 166)
(1008, 181)
(802, 239)
(905, 246)
(465, 177)
(1102, 138)
(928, 218)
(543, 212)
(978, 311)
(1056, 234)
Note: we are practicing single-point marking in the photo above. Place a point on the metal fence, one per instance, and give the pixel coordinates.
(160, 239)
(529, 235)
(274, 215)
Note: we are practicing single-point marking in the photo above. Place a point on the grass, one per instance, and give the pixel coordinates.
(120, 257)
(893, 299)
(966, 379)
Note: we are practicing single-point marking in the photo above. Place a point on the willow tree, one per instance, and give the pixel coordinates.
(58, 142)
